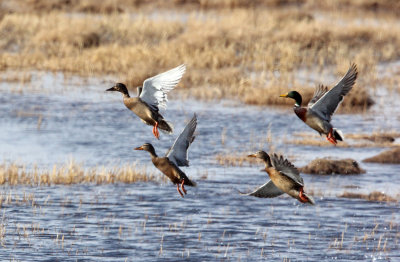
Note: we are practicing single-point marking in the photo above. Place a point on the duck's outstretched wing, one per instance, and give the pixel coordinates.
(320, 90)
(286, 168)
(268, 190)
(329, 102)
(178, 153)
(155, 89)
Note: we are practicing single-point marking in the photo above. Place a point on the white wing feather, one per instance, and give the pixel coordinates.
(155, 89)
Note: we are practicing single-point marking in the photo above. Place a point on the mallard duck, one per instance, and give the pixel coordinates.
(285, 178)
(323, 104)
(175, 157)
(151, 97)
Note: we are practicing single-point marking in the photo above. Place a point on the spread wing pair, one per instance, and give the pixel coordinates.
(323, 105)
(151, 97)
(155, 89)
(285, 178)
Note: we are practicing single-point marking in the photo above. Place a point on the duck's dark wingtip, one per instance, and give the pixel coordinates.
(353, 70)
(242, 193)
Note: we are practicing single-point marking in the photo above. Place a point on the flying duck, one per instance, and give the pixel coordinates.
(175, 157)
(285, 178)
(151, 97)
(323, 104)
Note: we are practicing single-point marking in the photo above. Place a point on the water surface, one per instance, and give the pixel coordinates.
(56, 118)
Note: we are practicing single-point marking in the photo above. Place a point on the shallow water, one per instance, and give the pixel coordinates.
(57, 118)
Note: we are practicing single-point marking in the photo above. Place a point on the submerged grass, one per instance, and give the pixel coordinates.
(391, 156)
(72, 173)
(252, 54)
(328, 166)
(373, 196)
(239, 159)
(376, 139)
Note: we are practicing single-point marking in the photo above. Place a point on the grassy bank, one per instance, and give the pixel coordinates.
(72, 173)
(252, 53)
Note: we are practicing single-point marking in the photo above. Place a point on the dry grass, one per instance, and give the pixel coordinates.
(16, 77)
(328, 166)
(238, 159)
(391, 156)
(376, 139)
(242, 159)
(373, 196)
(230, 54)
(119, 6)
(72, 173)
(319, 142)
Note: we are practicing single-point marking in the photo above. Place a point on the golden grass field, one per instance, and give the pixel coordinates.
(73, 173)
(246, 50)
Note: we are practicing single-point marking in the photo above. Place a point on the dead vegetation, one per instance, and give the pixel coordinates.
(373, 196)
(391, 156)
(239, 159)
(328, 166)
(376, 139)
(16, 77)
(252, 54)
(72, 173)
(316, 141)
(120, 6)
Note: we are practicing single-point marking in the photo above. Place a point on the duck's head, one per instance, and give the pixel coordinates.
(293, 95)
(120, 87)
(262, 155)
(147, 147)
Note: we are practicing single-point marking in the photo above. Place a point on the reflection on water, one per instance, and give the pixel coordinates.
(143, 221)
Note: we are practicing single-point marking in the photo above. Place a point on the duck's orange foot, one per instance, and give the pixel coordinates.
(183, 187)
(331, 138)
(155, 131)
(302, 197)
(179, 191)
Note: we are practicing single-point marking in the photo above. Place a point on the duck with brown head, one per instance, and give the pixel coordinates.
(285, 178)
(175, 157)
(151, 97)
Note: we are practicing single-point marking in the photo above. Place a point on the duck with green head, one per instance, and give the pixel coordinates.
(323, 105)
(151, 97)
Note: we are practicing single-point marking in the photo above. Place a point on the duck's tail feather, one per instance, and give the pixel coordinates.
(337, 134)
(165, 126)
(310, 200)
(189, 182)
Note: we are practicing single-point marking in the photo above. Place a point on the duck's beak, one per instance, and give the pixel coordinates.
(112, 89)
(252, 155)
(284, 95)
(139, 148)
